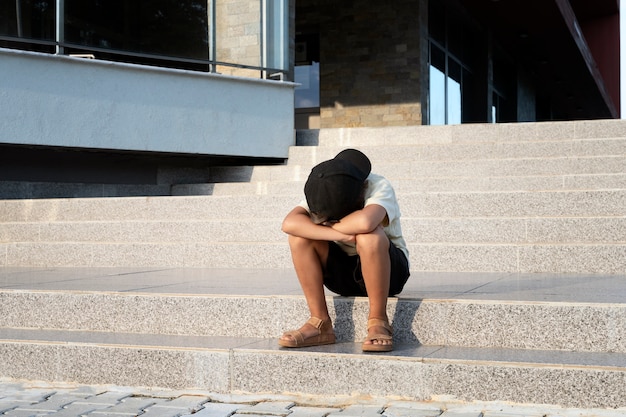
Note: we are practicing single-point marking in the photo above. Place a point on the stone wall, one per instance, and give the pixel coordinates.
(238, 36)
(370, 61)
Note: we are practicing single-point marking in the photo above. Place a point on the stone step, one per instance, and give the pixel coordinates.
(543, 339)
(419, 204)
(465, 133)
(311, 155)
(25, 189)
(471, 320)
(557, 166)
(521, 258)
(252, 366)
(416, 230)
(12, 190)
(423, 184)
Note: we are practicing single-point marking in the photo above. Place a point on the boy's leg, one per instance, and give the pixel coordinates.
(373, 249)
(309, 257)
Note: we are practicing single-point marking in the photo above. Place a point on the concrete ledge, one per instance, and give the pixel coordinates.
(119, 108)
(245, 367)
(245, 207)
(588, 327)
(479, 132)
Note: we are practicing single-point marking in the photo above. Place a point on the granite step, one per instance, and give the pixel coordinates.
(239, 366)
(491, 231)
(566, 312)
(311, 155)
(417, 230)
(40, 189)
(394, 171)
(418, 204)
(465, 133)
(522, 258)
(571, 182)
(465, 323)
(542, 339)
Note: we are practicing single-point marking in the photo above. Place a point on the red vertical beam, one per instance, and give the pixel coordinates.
(577, 35)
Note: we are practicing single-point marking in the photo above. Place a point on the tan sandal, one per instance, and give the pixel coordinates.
(325, 335)
(372, 347)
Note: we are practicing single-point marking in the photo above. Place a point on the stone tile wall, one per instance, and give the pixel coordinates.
(370, 61)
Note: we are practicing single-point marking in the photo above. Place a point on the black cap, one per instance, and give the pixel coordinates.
(334, 187)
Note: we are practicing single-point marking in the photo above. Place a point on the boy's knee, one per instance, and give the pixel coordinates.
(295, 241)
(373, 242)
(301, 243)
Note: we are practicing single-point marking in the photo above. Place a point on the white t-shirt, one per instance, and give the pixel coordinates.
(379, 191)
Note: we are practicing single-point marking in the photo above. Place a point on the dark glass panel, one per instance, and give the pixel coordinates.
(28, 20)
(175, 28)
(437, 21)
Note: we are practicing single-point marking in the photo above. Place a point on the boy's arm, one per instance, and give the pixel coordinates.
(362, 221)
(299, 223)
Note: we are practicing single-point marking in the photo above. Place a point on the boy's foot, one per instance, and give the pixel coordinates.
(314, 332)
(379, 336)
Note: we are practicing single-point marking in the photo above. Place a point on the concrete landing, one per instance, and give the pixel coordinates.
(576, 288)
(533, 339)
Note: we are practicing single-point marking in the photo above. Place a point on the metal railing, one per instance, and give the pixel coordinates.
(59, 46)
(211, 65)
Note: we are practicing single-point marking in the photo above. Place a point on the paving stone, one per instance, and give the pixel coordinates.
(109, 397)
(311, 411)
(217, 410)
(249, 415)
(186, 404)
(359, 411)
(75, 410)
(6, 406)
(129, 406)
(53, 403)
(513, 413)
(25, 413)
(271, 408)
(29, 396)
(415, 411)
(461, 413)
(164, 412)
(191, 402)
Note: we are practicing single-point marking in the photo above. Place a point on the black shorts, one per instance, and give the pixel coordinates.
(343, 275)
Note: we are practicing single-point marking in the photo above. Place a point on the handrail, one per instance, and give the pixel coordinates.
(266, 72)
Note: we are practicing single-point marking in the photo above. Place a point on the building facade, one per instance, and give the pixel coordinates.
(456, 61)
(199, 80)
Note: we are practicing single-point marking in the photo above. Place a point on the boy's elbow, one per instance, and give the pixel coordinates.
(284, 227)
(288, 225)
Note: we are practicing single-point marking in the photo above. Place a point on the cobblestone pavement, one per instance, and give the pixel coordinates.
(22, 399)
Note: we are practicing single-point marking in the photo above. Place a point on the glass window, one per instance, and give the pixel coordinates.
(453, 102)
(437, 104)
(276, 34)
(240, 37)
(451, 82)
(307, 94)
(172, 28)
(445, 106)
(28, 19)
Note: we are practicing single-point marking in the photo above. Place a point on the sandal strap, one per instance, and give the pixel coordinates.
(297, 335)
(379, 336)
(379, 322)
(316, 322)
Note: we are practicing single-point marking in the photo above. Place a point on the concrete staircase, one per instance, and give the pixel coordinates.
(517, 236)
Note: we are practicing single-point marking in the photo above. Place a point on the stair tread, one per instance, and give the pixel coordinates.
(257, 282)
(406, 351)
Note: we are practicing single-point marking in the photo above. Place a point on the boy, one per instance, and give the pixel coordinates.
(346, 236)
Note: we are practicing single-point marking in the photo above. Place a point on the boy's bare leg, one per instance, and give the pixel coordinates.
(308, 257)
(373, 249)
